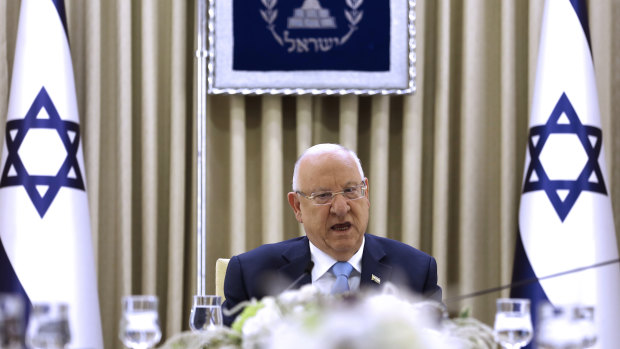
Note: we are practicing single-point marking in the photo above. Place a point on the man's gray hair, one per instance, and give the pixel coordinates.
(321, 149)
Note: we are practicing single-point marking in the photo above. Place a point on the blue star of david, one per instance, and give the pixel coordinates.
(16, 132)
(536, 178)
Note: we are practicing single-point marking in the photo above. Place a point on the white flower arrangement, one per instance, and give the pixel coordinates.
(308, 319)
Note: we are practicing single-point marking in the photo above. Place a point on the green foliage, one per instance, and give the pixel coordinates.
(248, 312)
(465, 313)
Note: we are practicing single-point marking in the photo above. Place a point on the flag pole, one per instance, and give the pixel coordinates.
(201, 121)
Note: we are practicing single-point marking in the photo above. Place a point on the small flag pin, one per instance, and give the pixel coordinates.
(375, 278)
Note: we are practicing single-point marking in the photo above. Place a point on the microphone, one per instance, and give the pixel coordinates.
(307, 271)
(530, 281)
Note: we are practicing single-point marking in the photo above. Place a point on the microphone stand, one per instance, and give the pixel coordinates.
(307, 271)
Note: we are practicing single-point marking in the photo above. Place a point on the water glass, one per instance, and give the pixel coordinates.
(587, 327)
(48, 326)
(565, 326)
(139, 326)
(513, 322)
(11, 321)
(206, 313)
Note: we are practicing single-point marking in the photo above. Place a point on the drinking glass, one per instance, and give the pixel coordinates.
(206, 313)
(565, 326)
(48, 326)
(585, 320)
(11, 321)
(139, 327)
(513, 323)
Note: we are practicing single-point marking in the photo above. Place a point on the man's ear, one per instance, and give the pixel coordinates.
(293, 200)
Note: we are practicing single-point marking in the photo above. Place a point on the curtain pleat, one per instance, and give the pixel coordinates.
(445, 164)
(477, 133)
(238, 198)
(271, 169)
(87, 62)
(348, 121)
(317, 116)
(303, 134)
(513, 73)
(304, 123)
(123, 137)
(606, 62)
(378, 170)
(444, 194)
(411, 179)
(180, 110)
(147, 245)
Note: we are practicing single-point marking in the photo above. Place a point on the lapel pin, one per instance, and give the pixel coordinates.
(376, 279)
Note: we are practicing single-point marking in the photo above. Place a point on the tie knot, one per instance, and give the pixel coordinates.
(342, 268)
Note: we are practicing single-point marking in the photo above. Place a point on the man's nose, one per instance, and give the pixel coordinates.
(340, 205)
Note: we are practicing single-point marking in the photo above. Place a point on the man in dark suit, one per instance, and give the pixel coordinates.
(330, 198)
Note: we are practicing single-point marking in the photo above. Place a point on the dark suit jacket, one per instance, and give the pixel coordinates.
(269, 269)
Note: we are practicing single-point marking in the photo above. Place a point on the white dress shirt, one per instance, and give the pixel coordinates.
(323, 278)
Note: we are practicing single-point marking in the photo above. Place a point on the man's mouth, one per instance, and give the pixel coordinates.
(341, 226)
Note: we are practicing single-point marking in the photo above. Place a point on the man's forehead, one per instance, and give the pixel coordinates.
(319, 161)
(326, 170)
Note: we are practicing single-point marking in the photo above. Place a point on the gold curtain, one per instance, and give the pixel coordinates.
(445, 165)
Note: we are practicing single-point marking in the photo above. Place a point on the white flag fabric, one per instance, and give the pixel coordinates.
(45, 232)
(565, 217)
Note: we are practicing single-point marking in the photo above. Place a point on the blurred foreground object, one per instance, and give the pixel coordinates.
(307, 318)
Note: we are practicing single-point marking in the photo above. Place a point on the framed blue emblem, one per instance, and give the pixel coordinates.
(311, 47)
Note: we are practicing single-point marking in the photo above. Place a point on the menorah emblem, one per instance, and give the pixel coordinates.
(311, 16)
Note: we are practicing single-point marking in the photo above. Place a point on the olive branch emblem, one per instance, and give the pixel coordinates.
(270, 15)
(354, 17)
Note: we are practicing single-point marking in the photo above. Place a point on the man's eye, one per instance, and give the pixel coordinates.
(349, 190)
(323, 195)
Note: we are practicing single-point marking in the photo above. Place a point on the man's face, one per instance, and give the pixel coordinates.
(337, 228)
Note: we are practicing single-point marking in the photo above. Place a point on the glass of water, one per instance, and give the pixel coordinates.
(206, 313)
(513, 323)
(566, 326)
(48, 326)
(11, 321)
(139, 327)
(585, 319)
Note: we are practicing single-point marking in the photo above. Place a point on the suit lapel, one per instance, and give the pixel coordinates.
(296, 258)
(374, 272)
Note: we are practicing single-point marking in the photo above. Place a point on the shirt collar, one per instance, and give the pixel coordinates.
(323, 262)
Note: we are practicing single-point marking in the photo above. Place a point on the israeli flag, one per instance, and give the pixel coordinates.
(46, 249)
(565, 217)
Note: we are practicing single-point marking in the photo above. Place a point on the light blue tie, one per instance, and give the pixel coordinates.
(341, 270)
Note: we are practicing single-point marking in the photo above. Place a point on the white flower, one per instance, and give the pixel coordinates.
(378, 321)
(258, 327)
(308, 319)
(306, 294)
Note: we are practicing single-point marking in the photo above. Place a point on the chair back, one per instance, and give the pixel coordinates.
(220, 274)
